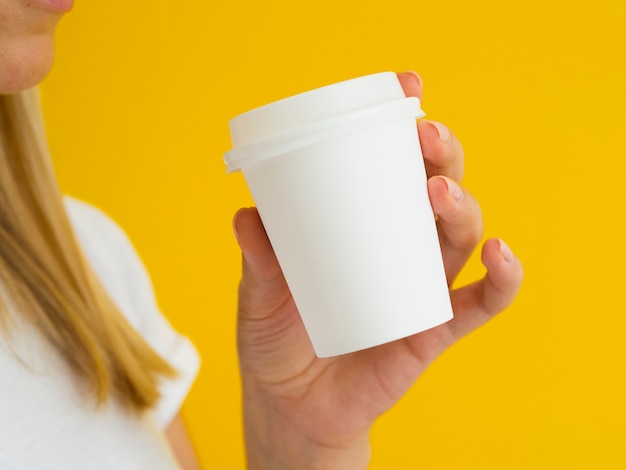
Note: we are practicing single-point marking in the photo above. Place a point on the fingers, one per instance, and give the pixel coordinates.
(459, 223)
(443, 153)
(503, 279)
(262, 289)
(475, 304)
(411, 84)
(258, 256)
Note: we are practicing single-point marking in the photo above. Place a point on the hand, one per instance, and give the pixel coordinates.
(304, 412)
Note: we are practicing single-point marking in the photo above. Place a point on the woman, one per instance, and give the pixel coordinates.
(80, 327)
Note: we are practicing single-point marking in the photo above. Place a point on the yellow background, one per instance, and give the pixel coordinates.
(137, 109)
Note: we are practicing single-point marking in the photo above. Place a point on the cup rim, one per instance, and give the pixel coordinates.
(326, 129)
(355, 93)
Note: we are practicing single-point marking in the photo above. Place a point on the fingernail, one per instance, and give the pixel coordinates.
(235, 222)
(416, 75)
(454, 189)
(443, 131)
(506, 252)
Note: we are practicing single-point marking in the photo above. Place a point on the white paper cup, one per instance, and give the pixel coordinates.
(338, 177)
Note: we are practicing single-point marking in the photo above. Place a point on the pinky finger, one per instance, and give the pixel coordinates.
(476, 303)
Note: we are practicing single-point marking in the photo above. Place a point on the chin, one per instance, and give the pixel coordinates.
(25, 64)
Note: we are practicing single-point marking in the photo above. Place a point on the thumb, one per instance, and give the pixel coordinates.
(258, 255)
(262, 283)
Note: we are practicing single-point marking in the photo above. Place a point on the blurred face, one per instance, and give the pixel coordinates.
(27, 40)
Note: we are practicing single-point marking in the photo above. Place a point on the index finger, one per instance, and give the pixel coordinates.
(442, 151)
(411, 83)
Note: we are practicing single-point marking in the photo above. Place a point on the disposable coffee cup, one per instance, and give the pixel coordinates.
(338, 177)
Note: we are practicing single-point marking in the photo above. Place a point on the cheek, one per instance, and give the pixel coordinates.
(25, 62)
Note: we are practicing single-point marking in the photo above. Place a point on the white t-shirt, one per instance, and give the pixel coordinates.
(48, 419)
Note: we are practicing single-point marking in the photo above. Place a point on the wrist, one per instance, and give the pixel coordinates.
(274, 440)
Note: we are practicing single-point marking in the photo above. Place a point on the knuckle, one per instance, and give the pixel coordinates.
(471, 231)
(472, 236)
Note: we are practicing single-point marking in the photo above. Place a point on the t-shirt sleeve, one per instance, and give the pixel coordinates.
(119, 268)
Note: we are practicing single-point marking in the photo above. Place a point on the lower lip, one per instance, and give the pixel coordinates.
(60, 6)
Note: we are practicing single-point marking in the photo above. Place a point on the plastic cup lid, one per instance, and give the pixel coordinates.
(316, 115)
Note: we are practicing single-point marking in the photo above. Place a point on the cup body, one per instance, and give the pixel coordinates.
(349, 218)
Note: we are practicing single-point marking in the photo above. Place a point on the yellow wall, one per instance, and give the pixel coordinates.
(137, 109)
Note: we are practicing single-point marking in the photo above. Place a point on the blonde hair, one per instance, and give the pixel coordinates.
(46, 277)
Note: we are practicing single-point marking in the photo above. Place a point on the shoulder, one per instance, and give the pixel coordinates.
(111, 255)
(92, 225)
(117, 265)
